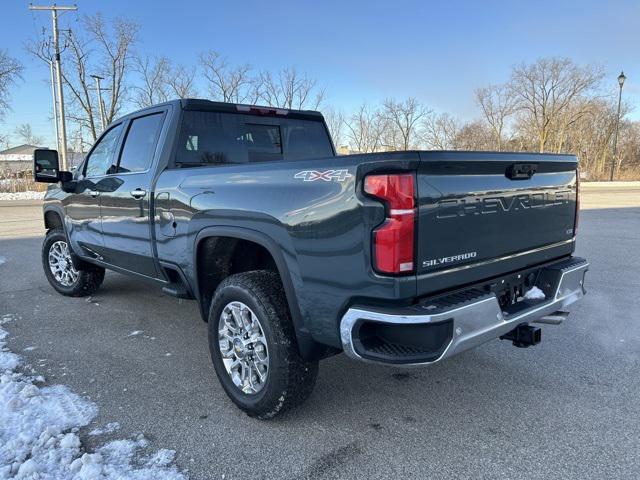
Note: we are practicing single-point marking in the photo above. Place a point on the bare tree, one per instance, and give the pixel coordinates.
(591, 134)
(10, 72)
(629, 151)
(225, 82)
(289, 89)
(114, 56)
(96, 47)
(79, 105)
(4, 141)
(440, 131)
(474, 135)
(365, 130)
(404, 119)
(161, 81)
(77, 141)
(335, 123)
(181, 82)
(546, 89)
(239, 84)
(154, 74)
(25, 133)
(498, 103)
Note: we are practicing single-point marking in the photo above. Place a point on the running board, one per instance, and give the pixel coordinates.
(176, 290)
(176, 285)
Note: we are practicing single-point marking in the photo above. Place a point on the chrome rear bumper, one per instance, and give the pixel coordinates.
(474, 321)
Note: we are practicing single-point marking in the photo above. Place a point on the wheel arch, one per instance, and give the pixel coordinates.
(53, 218)
(308, 348)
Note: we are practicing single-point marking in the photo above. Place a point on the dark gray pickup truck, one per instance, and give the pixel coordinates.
(294, 254)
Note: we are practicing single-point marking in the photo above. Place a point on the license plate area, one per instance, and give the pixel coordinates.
(510, 289)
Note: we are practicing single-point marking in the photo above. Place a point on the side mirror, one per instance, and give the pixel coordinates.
(46, 168)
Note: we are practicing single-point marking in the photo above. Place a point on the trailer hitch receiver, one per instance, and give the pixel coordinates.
(524, 335)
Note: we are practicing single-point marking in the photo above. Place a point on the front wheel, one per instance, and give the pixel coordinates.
(59, 269)
(253, 346)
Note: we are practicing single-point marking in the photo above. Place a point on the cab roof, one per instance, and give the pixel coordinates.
(208, 105)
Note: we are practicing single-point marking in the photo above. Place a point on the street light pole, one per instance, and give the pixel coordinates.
(621, 79)
(56, 44)
(103, 120)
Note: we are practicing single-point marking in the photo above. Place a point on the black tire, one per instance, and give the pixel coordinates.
(290, 378)
(89, 278)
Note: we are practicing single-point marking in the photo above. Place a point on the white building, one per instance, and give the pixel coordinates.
(19, 159)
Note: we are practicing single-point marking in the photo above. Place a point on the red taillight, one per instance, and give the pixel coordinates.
(393, 240)
(575, 223)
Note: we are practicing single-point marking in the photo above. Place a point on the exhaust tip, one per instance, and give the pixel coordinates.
(555, 318)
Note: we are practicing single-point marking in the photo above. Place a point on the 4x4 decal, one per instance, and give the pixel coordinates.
(327, 176)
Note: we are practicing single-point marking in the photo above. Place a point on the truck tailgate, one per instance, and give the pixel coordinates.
(483, 214)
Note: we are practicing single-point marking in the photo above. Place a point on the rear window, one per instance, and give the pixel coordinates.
(227, 138)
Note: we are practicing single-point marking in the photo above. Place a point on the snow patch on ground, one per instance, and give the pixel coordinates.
(135, 333)
(22, 195)
(108, 428)
(2, 260)
(39, 433)
(535, 294)
(8, 317)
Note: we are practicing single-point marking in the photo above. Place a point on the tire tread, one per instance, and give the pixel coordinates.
(89, 280)
(295, 375)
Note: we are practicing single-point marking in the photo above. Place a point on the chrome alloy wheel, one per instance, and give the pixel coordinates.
(60, 264)
(243, 347)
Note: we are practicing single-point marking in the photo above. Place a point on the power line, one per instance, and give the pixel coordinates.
(54, 9)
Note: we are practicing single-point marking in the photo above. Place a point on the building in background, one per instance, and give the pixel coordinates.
(345, 150)
(19, 160)
(16, 168)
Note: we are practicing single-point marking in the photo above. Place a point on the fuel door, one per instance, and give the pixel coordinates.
(164, 216)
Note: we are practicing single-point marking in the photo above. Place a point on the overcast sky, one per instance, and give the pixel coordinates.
(360, 51)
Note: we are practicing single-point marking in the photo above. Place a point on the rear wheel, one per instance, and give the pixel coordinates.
(253, 346)
(60, 271)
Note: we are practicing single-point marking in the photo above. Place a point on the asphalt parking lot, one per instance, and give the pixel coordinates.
(567, 408)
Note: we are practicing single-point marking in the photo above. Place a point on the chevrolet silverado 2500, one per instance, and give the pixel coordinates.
(294, 254)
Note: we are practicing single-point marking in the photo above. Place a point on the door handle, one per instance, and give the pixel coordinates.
(138, 193)
(93, 193)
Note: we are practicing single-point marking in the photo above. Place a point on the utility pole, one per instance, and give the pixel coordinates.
(103, 120)
(63, 128)
(55, 105)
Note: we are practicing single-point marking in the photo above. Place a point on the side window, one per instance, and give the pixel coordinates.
(225, 138)
(102, 158)
(306, 140)
(140, 143)
(263, 142)
(214, 138)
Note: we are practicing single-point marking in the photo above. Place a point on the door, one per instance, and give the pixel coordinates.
(125, 208)
(82, 207)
